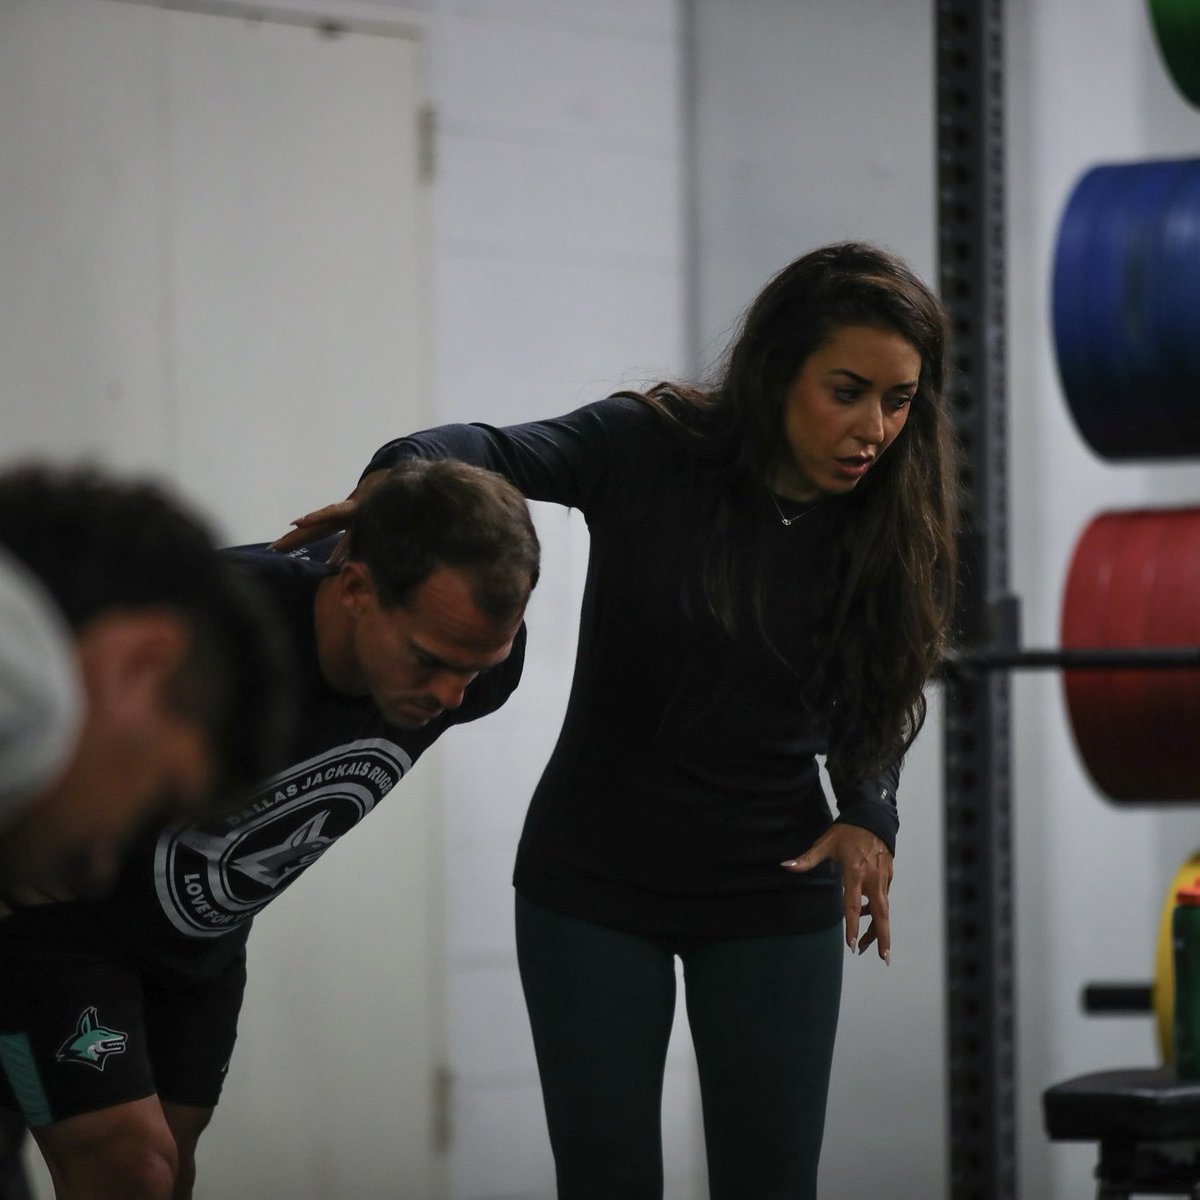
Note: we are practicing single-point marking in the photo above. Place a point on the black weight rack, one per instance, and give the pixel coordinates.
(978, 847)
(969, 67)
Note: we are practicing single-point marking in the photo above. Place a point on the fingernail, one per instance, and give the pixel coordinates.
(887, 958)
(789, 862)
(854, 945)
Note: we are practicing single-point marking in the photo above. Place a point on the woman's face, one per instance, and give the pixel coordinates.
(843, 410)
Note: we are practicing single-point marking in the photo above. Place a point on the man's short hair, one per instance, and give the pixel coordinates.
(99, 545)
(442, 512)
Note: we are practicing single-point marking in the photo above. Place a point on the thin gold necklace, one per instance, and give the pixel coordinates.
(800, 515)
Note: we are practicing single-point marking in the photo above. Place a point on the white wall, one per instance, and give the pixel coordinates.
(212, 234)
(1086, 86)
(558, 265)
(815, 124)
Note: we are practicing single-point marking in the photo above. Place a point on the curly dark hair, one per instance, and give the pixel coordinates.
(890, 593)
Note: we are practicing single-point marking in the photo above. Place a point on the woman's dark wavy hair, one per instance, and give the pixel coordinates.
(889, 596)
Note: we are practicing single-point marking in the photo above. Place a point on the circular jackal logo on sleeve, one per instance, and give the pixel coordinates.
(213, 875)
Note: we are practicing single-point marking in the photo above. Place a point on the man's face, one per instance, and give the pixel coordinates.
(136, 762)
(417, 659)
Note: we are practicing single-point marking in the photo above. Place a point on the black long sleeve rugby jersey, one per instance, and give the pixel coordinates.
(686, 769)
(186, 897)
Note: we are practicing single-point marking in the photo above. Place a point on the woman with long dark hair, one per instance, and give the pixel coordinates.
(770, 579)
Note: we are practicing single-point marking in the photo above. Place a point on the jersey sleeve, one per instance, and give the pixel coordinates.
(571, 460)
(871, 804)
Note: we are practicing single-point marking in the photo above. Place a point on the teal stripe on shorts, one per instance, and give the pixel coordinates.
(16, 1058)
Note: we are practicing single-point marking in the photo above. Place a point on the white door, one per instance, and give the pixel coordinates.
(214, 225)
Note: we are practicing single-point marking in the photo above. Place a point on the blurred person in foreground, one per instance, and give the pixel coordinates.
(139, 677)
(128, 1009)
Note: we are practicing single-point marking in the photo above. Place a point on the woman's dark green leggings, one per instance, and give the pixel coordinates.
(763, 1014)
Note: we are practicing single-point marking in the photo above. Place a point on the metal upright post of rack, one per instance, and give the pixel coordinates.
(978, 835)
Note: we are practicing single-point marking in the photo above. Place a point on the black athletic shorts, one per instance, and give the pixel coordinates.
(80, 1033)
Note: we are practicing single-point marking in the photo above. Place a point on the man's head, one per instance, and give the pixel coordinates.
(179, 669)
(441, 560)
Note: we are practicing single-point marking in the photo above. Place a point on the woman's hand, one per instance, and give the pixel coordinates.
(324, 522)
(866, 871)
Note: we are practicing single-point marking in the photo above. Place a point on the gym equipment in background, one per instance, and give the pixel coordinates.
(1157, 996)
(1177, 29)
(1125, 294)
(1145, 1119)
(1134, 582)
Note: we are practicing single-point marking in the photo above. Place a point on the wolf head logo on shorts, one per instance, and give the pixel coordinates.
(92, 1043)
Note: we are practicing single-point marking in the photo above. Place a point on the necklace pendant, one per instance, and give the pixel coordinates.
(789, 521)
